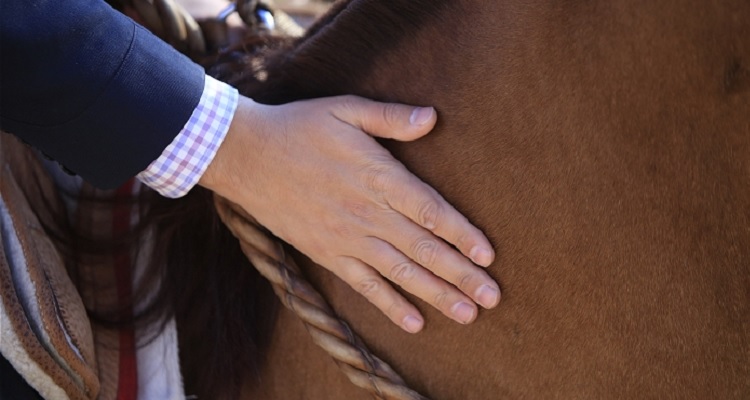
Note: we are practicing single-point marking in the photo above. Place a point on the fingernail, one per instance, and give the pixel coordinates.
(487, 296)
(421, 116)
(481, 256)
(412, 324)
(463, 312)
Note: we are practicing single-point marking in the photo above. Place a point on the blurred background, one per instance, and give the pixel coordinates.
(304, 11)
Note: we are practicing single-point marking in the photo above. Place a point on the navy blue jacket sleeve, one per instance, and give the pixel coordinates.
(91, 88)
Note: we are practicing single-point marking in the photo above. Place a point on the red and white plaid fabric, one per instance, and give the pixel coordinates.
(45, 332)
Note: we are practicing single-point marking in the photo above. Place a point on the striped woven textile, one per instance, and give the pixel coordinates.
(45, 333)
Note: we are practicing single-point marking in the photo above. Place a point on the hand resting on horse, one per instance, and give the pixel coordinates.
(313, 174)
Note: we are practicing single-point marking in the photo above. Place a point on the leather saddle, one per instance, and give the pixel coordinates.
(45, 332)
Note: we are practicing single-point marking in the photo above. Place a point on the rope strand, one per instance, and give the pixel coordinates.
(171, 22)
(332, 334)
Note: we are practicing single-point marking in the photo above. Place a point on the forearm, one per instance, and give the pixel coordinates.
(90, 88)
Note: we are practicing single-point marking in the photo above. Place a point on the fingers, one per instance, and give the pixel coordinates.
(420, 211)
(403, 191)
(403, 271)
(374, 288)
(375, 196)
(385, 120)
(443, 261)
(407, 194)
(426, 207)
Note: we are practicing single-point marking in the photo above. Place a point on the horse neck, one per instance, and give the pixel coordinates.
(602, 146)
(545, 80)
(556, 119)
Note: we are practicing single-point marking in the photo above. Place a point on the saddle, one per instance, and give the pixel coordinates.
(45, 331)
(44, 328)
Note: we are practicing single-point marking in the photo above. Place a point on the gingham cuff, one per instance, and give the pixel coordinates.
(184, 161)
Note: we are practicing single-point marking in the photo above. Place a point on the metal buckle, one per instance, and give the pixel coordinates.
(263, 15)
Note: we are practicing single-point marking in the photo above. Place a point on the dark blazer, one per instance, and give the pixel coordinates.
(91, 88)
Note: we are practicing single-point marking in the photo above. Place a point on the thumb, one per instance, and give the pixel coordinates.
(386, 120)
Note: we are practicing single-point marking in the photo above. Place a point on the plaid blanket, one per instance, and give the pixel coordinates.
(45, 332)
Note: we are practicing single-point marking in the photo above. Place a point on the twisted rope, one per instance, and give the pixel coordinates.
(171, 22)
(332, 334)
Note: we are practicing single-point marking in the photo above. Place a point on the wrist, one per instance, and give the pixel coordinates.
(237, 154)
(183, 162)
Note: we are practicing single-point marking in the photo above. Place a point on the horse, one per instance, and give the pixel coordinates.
(603, 147)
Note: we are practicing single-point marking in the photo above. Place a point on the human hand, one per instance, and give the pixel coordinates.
(309, 173)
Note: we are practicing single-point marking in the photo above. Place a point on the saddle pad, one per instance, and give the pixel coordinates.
(44, 330)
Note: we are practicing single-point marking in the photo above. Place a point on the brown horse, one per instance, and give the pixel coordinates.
(603, 146)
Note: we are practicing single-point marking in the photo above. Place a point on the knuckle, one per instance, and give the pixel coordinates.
(394, 309)
(402, 273)
(425, 251)
(390, 114)
(465, 282)
(342, 230)
(464, 242)
(440, 301)
(369, 287)
(360, 210)
(378, 177)
(428, 214)
(349, 101)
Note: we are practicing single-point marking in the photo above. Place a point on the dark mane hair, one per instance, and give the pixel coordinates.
(332, 58)
(224, 309)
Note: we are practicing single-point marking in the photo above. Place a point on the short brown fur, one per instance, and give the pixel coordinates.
(604, 147)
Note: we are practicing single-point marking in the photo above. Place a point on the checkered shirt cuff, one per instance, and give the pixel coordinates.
(184, 161)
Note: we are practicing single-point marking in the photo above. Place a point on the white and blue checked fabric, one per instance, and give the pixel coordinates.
(183, 162)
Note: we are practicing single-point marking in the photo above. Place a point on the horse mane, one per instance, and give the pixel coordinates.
(334, 56)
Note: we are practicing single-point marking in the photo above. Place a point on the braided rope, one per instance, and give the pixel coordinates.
(171, 22)
(332, 334)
